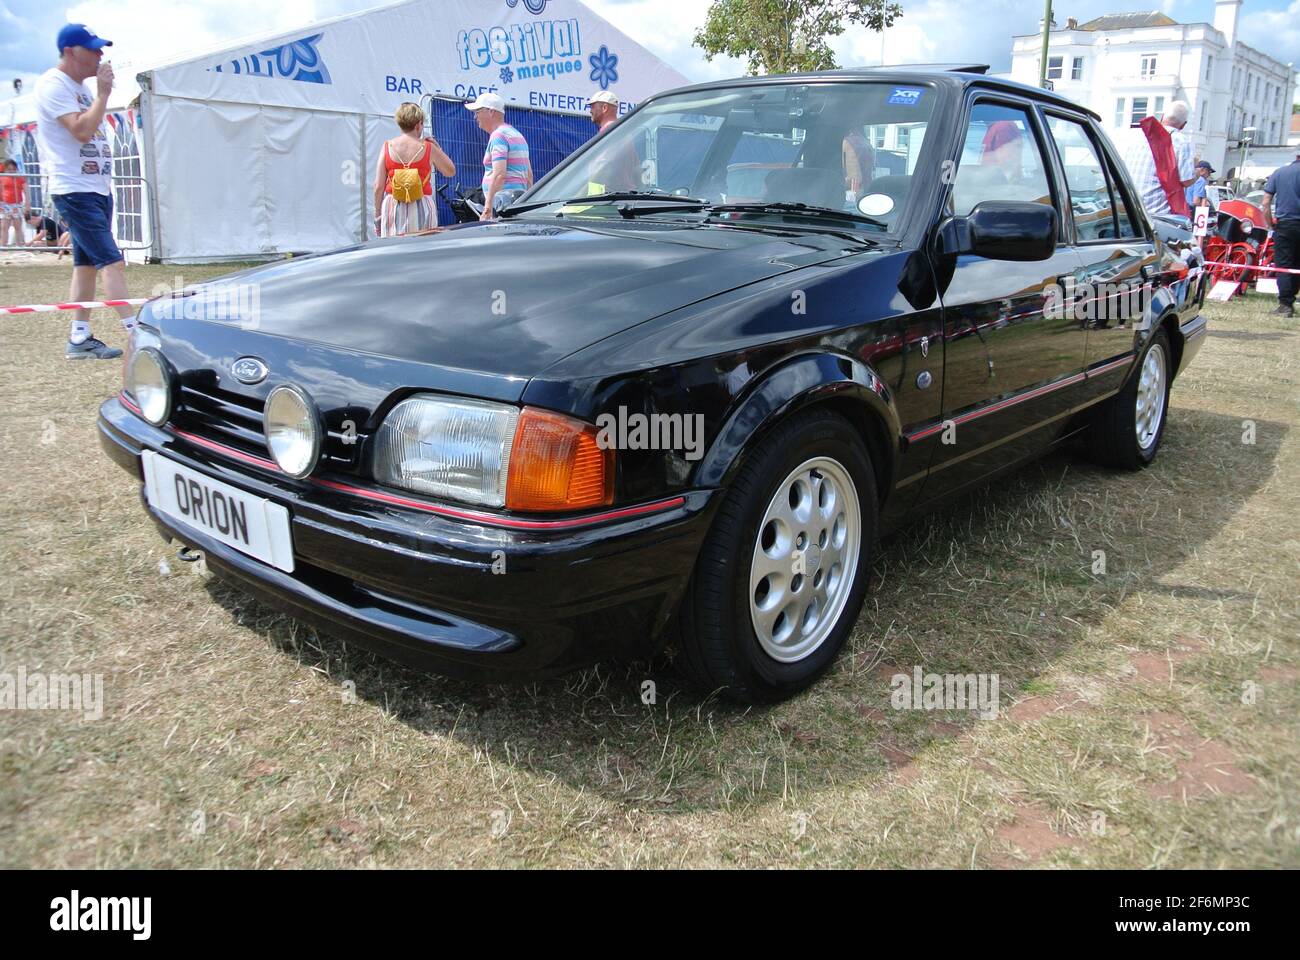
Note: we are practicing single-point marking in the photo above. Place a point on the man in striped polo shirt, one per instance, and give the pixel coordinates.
(506, 169)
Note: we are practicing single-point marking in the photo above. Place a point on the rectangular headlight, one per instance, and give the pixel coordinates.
(447, 447)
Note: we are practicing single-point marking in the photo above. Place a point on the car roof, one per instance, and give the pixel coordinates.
(953, 76)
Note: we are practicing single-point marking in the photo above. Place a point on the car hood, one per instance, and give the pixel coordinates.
(504, 300)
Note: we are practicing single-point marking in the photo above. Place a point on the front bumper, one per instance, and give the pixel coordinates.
(420, 588)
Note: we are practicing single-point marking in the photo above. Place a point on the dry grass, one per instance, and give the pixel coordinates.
(1131, 745)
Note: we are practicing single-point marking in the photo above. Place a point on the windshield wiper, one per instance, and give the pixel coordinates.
(525, 207)
(796, 208)
(676, 205)
(638, 195)
(625, 195)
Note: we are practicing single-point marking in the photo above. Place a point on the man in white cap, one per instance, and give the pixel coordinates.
(604, 110)
(507, 171)
(616, 169)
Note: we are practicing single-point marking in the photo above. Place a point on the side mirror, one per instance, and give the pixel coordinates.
(1002, 230)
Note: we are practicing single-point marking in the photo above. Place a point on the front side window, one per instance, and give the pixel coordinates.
(823, 145)
(1000, 159)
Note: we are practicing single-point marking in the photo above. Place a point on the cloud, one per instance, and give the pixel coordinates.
(666, 28)
(146, 33)
(1275, 32)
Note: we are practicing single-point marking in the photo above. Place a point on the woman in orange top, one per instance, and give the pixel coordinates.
(13, 204)
(394, 219)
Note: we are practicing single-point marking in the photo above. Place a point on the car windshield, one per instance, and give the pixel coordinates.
(850, 148)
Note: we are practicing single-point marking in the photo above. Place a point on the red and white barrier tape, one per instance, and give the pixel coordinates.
(1248, 266)
(83, 305)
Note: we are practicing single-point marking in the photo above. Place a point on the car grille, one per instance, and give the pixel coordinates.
(236, 421)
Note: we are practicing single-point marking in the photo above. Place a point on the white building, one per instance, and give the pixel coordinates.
(1131, 65)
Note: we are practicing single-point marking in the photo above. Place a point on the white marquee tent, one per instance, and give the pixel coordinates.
(269, 146)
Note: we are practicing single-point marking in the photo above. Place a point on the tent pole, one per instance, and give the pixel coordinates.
(365, 212)
(149, 162)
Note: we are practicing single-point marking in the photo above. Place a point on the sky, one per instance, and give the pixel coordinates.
(146, 32)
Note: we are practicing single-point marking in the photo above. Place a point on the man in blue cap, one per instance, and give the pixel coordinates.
(1196, 192)
(77, 157)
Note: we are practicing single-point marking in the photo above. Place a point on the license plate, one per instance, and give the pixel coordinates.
(250, 524)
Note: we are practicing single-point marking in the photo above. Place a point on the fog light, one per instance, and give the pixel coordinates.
(293, 430)
(149, 382)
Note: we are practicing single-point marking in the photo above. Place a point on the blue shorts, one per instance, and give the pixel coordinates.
(89, 217)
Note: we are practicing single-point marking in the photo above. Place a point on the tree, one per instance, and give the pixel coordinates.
(787, 36)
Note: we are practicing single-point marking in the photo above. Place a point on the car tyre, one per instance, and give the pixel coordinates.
(1128, 429)
(783, 571)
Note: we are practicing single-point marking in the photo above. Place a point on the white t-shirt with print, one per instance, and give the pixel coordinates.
(72, 166)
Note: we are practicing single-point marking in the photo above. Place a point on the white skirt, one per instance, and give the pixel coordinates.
(400, 219)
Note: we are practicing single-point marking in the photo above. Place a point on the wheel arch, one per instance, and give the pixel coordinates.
(1169, 322)
(840, 383)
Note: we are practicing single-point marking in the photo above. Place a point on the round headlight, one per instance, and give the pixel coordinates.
(150, 384)
(293, 430)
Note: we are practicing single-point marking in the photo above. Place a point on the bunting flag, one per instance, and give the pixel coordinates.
(1162, 151)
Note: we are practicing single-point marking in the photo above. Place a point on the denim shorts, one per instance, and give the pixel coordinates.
(89, 217)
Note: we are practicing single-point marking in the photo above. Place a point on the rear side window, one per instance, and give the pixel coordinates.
(1125, 217)
(1000, 159)
(1085, 180)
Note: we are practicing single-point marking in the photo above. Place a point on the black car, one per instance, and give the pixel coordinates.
(638, 409)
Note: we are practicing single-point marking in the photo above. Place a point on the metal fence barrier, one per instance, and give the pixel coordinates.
(132, 228)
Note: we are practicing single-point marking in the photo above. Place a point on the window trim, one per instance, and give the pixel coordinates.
(1031, 110)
